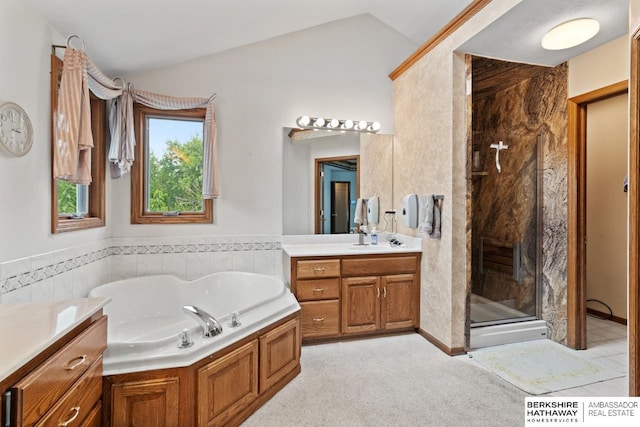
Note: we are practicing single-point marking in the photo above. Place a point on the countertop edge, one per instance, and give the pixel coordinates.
(93, 305)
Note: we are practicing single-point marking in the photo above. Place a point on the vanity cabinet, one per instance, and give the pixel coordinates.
(64, 387)
(356, 295)
(318, 291)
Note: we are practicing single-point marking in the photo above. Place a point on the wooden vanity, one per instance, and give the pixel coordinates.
(355, 295)
(52, 375)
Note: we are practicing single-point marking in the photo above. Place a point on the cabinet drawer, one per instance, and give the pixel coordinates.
(379, 266)
(320, 318)
(317, 269)
(309, 290)
(45, 385)
(78, 402)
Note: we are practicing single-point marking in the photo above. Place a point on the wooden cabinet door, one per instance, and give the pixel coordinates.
(226, 386)
(399, 301)
(360, 304)
(279, 353)
(152, 403)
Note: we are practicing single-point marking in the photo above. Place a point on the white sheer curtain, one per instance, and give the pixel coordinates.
(73, 143)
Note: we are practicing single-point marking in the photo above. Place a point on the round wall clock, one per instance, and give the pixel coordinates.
(16, 132)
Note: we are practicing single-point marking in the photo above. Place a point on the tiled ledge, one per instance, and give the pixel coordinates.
(72, 272)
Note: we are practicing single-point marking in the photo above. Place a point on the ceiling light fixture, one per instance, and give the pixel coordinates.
(317, 123)
(570, 34)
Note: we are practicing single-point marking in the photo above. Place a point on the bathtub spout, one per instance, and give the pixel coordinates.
(210, 325)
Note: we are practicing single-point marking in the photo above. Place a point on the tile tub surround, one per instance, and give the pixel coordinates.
(73, 272)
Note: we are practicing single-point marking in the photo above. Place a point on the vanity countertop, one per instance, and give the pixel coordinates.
(26, 329)
(345, 244)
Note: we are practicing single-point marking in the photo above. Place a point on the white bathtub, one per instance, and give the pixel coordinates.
(146, 316)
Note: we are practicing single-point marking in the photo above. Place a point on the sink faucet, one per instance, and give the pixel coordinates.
(361, 235)
(210, 325)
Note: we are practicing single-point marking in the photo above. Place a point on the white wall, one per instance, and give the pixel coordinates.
(25, 192)
(334, 70)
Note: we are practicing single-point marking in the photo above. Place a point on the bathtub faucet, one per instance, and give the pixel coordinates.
(210, 325)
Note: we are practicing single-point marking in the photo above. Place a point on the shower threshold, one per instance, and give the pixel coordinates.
(507, 332)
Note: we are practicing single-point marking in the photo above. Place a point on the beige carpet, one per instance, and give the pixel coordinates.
(391, 381)
(543, 366)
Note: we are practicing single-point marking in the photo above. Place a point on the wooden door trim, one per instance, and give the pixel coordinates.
(577, 209)
(633, 304)
(316, 180)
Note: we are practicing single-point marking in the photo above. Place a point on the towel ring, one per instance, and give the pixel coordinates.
(71, 37)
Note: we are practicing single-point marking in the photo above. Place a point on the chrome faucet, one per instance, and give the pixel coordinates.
(361, 235)
(210, 325)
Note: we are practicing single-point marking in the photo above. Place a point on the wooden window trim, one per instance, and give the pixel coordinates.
(96, 213)
(139, 215)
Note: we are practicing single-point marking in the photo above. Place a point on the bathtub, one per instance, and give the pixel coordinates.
(145, 316)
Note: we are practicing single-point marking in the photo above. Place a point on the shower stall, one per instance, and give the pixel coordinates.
(506, 243)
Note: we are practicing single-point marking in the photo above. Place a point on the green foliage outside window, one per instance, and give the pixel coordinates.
(175, 179)
(67, 195)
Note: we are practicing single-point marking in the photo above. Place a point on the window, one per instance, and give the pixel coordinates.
(73, 206)
(166, 178)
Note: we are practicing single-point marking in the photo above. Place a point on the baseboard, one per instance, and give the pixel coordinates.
(455, 351)
(606, 316)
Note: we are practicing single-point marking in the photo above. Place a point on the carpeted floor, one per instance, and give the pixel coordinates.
(391, 381)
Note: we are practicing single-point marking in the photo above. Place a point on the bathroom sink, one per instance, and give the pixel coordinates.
(368, 247)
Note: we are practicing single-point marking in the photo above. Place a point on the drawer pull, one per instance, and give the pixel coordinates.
(384, 293)
(318, 269)
(318, 290)
(80, 361)
(377, 292)
(76, 410)
(318, 319)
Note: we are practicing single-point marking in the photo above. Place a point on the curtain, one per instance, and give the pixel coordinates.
(73, 124)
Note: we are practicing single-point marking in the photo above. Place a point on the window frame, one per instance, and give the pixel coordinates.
(95, 216)
(139, 214)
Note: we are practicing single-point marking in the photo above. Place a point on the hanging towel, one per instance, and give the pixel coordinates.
(435, 234)
(360, 214)
(425, 215)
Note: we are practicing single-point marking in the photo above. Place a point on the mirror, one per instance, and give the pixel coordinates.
(303, 151)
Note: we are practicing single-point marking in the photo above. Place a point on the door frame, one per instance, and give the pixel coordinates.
(633, 318)
(577, 209)
(317, 200)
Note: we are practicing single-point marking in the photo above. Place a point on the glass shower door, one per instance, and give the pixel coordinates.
(505, 217)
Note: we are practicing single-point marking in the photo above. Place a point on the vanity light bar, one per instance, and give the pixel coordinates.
(307, 122)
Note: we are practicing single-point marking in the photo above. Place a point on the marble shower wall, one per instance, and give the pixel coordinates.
(532, 110)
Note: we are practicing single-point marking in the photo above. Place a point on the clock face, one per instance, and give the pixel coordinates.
(16, 133)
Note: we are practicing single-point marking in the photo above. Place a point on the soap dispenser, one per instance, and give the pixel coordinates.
(410, 210)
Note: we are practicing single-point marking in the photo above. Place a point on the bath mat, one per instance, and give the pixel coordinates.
(542, 366)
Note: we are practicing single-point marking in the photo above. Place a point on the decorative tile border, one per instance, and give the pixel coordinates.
(16, 281)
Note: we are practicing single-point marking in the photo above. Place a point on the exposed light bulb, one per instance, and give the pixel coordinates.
(362, 124)
(348, 124)
(375, 126)
(319, 122)
(333, 123)
(303, 121)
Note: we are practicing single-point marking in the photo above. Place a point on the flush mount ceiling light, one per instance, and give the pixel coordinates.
(570, 34)
(317, 123)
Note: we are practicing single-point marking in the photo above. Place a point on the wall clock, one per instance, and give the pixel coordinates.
(16, 132)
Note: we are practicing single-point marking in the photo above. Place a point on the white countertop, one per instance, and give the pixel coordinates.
(345, 244)
(27, 329)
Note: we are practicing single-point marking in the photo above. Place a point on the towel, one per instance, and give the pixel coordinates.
(360, 214)
(425, 214)
(435, 234)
